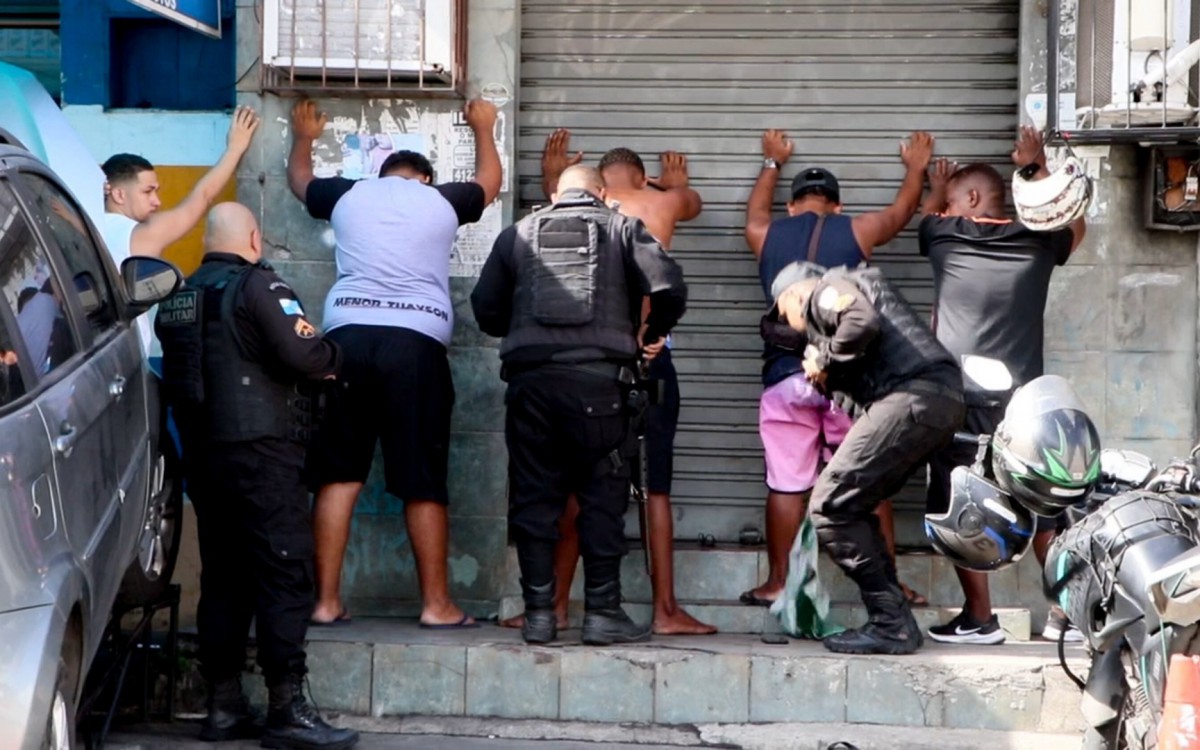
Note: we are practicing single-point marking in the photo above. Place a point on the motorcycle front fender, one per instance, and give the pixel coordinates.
(1104, 692)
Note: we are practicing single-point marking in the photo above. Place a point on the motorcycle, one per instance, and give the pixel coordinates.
(1126, 570)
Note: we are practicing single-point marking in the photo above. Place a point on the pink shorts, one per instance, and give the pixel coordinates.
(799, 428)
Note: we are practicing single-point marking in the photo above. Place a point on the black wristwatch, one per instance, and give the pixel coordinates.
(1029, 171)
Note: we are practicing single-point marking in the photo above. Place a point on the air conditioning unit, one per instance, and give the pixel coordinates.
(361, 39)
(1135, 63)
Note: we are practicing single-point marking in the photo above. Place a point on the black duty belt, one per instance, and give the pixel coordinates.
(626, 374)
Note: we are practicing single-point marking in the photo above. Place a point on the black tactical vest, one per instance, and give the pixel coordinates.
(231, 398)
(572, 292)
(904, 351)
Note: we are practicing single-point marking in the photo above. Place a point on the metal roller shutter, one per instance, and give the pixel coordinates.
(847, 81)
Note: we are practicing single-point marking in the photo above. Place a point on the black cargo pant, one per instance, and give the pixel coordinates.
(256, 550)
(893, 438)
(568, 431)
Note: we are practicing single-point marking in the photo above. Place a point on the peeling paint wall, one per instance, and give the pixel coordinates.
(380, 575)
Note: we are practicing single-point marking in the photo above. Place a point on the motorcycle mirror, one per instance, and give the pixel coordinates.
(990, 374)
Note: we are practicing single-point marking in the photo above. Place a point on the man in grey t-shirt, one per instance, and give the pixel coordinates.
(390, 311)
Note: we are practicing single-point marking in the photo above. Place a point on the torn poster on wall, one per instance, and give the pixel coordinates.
(354, 146)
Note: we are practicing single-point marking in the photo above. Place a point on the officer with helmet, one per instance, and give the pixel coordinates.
(564, 289)
(237, 350)
(870, 352)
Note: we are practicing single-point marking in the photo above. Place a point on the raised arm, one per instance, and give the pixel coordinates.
(879, 227)
(163, 228)
(776, 146)
(939, 179)
(555, 159)
(674, 182)
(307, 125)
(1030, 149)
(489, 173)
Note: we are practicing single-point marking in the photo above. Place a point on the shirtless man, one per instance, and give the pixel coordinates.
(660, 203)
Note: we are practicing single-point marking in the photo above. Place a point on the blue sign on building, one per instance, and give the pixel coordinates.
(202, 15)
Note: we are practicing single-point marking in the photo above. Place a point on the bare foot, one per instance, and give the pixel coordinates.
(519, 621)
(680, 623)
(324, 613)
(446, 614)
(763, 596)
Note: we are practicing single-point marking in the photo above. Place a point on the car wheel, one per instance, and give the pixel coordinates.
(158, 546)
(60, 725)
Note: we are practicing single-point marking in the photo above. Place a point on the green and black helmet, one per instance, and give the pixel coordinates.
(1046, 452)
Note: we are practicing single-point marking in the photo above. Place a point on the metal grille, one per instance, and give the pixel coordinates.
(847, 80)
(1123, 70)
(371, 46)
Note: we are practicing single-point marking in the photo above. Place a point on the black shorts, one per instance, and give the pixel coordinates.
(394, 388)
(980, 420)
(662, 420)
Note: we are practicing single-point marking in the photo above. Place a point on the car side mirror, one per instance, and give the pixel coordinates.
(149, 281)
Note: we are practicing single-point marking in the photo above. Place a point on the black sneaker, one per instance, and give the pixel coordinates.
(964, 629)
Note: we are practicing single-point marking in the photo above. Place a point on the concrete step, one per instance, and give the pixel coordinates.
(509, 734)
(740, 618)
(723, 573)
(386, 667)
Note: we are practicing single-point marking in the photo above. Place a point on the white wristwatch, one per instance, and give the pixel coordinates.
(769, 163)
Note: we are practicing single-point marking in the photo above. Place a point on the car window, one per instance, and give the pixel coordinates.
(31, 292)
(69, 231)
(12, 384)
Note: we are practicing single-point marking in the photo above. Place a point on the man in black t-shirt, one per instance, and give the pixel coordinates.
(991, 277)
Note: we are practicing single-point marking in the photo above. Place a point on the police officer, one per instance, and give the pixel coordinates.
(564, 289)
(868, 349)
(237, 350)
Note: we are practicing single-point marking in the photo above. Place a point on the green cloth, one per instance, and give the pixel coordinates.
(803, 609)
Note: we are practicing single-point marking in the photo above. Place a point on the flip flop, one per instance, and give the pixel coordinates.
(342, 619)
(914, 599)
(749, 598)
(464, 624)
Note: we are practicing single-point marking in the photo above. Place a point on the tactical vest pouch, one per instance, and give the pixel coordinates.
(179, 326)
(564, 282)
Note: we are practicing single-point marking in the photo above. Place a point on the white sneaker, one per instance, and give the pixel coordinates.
(1056, 623)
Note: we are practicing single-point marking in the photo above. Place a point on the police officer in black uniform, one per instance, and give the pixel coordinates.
(564, 288)
(870, 352)
(237, 352)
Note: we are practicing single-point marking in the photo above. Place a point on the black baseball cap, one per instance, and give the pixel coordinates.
(816, 178)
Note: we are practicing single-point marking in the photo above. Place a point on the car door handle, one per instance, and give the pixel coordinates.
(65, 442)
(116, 388)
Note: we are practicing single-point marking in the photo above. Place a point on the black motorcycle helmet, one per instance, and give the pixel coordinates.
(1046, 452)
(983, 529)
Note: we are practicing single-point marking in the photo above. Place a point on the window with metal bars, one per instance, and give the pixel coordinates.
(1123, 70)
(370, 46)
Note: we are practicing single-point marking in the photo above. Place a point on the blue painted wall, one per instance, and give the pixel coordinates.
(120, 56)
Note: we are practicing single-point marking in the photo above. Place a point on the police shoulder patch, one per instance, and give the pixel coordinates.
(291, 307)
(828, 299)
(277, 285)
(304, 329)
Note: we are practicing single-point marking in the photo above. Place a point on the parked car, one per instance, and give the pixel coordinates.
(89, 503)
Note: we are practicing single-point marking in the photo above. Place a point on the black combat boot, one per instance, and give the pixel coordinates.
(604, 622)
(294, 724)
(890, 628)
(230, 716)
(541, 624)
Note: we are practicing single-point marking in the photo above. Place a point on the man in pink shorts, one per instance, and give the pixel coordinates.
(796, 423)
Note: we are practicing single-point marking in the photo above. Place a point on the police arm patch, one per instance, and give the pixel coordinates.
(304, 329)
(291, 307)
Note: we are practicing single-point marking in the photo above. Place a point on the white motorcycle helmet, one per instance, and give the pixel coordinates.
(1056, 201)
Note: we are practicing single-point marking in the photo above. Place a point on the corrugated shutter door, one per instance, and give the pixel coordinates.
(846, 80)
